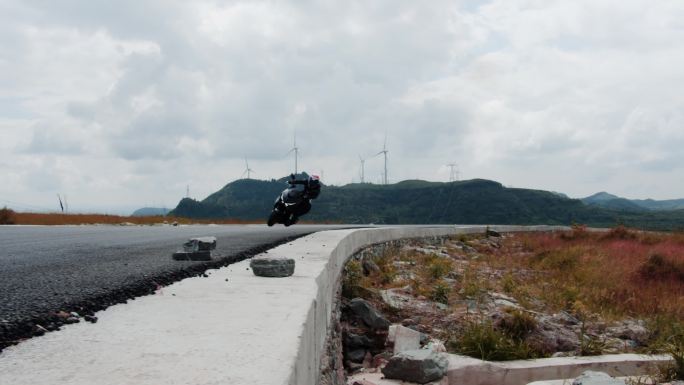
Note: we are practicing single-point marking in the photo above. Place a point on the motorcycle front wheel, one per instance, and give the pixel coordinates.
(272, 219)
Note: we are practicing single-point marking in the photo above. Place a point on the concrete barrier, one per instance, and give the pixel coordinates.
(318, 322)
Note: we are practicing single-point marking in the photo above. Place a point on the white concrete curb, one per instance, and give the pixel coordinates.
(230, 328)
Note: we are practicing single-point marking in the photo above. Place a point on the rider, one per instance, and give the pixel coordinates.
(312, 188)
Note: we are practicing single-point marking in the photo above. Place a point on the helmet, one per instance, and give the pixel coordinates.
(313, 185)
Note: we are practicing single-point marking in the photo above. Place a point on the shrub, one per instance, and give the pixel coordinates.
(7, 216)
(675, 348)
(481, 340)
(675, 370)
(508, 283)
(658, 267)
(351, 281)
(471, 286)
(517, 324)
(440, 292)
(385, 262)
(562, 259)
(438, 267)
(577, 232)
(621, 232)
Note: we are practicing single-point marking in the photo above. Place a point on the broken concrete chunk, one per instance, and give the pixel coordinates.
(196, 249)
(266, 266)
(192, 256)
(200, 244)
(404, 339)
(368, 314)
(596, 378)
(421, 366)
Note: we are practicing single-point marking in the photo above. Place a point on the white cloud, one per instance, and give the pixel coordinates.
(124, 109)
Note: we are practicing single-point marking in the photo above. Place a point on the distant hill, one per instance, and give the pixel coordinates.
(420, 202)
(610, 201)
(150, 212)
(606, 200)
(668, 204)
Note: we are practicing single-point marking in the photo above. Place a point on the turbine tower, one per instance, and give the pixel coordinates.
(363, 166)
(453, 175)
(295, 149)
(384, 152)
(247, 171)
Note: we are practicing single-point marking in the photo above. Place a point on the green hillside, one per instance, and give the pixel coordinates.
(419, 202)
(606, 200)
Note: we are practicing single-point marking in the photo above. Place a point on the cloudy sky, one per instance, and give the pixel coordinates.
(121, 104)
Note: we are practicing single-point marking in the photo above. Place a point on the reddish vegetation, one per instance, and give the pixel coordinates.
(7, 216)
(621, 272)
(80, 219)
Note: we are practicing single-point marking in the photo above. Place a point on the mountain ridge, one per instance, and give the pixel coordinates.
(476, 201)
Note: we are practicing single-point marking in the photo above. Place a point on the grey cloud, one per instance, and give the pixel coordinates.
(497, 86)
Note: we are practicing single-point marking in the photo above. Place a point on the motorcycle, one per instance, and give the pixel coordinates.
(294, 202)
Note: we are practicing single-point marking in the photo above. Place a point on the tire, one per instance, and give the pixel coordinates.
(271, 219)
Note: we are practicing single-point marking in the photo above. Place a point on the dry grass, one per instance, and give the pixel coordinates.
(84, 219)
(618, 273)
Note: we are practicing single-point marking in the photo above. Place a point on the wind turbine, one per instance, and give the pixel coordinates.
(296, 151)
(384, 152)
(363, 166)
(247, 171)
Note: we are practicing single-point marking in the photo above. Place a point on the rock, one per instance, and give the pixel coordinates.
(356, 355)
(196, 249)
(380, 359)
(492, 233)
(596, 378)
(63, 314)
(264, 266)
(354, 341)
(394, 298)
(90, 318)
(72, 320)
(200, 244)
(192, 256)
(421, 366)
(436, 346)
(367, 361)
(550, 336)
(502, 300)
(363, 382)
(368, 314)
(403, 338)
(369, 267)
(566, 318)
(630, 330)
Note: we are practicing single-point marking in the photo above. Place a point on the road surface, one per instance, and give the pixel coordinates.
(44, 269)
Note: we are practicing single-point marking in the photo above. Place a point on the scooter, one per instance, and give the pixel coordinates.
(294, 202)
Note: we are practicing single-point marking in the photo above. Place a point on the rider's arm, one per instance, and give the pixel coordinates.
(296, 181)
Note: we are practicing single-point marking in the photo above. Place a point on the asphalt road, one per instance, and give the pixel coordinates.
(45, 269)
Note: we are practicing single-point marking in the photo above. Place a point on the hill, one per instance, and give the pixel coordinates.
(150, 212)
(606, 200)
(420, 202)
